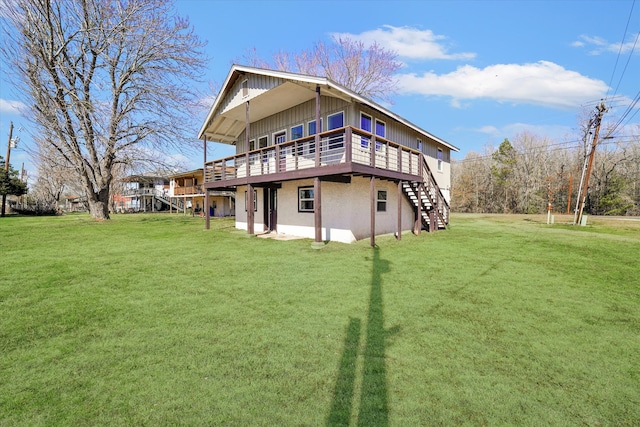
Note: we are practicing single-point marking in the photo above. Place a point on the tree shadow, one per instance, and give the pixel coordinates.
(343, 392)
(374, 408)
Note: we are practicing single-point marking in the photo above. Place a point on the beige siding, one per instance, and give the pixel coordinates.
(346, 211)
(284, 120)
(257, 85)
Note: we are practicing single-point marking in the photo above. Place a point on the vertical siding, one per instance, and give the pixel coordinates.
(258, 84)
(284, 120)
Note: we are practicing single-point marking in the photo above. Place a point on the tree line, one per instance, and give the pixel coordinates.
(530, 172)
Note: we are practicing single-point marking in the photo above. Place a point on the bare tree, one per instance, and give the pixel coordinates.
(368, 70)
(109, 82)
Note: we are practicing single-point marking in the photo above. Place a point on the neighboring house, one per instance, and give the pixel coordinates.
(75, 203)
(186, 190)
(144, 193)
(314, 159)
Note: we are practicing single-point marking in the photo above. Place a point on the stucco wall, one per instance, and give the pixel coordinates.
(345, 210)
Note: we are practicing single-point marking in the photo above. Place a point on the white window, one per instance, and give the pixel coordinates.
(245, 88)
(419, 144)
(365, 125)
(305, 199)
(335, 121)
(381, 201)
(280, 137)
(311, 127)
(381, 128)
(263, 141)
(381, 131)
(252, 144)
(297, 132)
(439, 160)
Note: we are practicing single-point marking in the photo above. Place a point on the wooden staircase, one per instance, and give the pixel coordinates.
(427, 197)
(176, 203)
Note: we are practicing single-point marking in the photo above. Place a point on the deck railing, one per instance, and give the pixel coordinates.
(188, 190)
(344, 145)
(434, 192)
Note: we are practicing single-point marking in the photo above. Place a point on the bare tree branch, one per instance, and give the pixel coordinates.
(103, 77)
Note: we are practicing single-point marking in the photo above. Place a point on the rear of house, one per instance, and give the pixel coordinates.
(316, 160)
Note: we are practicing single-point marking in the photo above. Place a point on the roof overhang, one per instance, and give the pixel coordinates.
(226, 127)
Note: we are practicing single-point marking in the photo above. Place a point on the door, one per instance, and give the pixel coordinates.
(270, 209)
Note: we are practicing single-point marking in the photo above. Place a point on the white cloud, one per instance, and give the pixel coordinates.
(540, 83)
(408, 42)
(599, 45)
(512, 129)
(11, 107)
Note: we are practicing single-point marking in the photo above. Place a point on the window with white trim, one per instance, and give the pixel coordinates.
(335, 121)
(305, 199)
(297, 132)
(365, 124)
(381, 201)
(440, 162)
(381, 131)
(245, 88)
(280, 137)
(263, 141)
(311, 127)
(252, 144)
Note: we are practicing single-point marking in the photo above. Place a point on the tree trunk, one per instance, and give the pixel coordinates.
(99, 204)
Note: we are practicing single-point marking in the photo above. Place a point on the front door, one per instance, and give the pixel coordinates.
(270, 209)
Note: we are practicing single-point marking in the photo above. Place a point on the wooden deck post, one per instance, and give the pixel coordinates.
(399, 232)
(250, 211)
(372, 194)
(318, 129)
(348, 144)
(417, 225)
(372, 151)
(246, 139)
(317, 209)
(207, 222)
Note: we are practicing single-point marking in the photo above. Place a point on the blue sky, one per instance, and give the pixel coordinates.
(475, 72)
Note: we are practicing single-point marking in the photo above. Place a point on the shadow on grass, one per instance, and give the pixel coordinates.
(373, 409)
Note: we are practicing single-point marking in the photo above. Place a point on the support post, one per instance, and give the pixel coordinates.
(372, 191)
(348, 136)
(246, 138)
(250, 211)
(318, 128)
(417, 224)
(207, 219)
(399, 232)
(317, 209)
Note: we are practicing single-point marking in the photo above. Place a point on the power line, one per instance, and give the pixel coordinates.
(624, 36)
(559, 147)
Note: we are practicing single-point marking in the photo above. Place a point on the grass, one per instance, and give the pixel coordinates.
(152, 320)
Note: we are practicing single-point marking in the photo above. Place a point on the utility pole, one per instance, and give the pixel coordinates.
(584, 184)
(6, 165)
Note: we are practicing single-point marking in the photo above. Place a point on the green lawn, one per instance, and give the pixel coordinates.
(152, 320)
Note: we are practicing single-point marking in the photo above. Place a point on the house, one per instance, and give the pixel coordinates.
(75, 204)
(314, 159)
(186, 191)
(143, 193)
